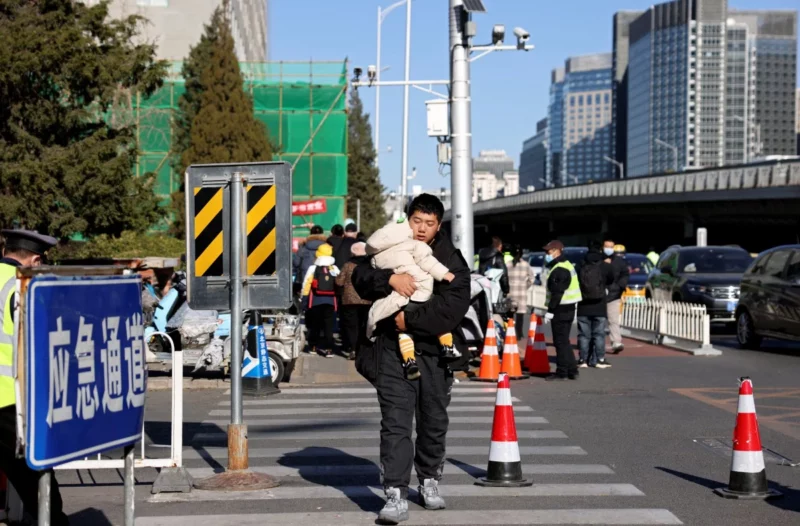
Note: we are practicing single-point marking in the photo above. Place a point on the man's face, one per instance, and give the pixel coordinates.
(554, 253)
(424, 226)
(608, 244)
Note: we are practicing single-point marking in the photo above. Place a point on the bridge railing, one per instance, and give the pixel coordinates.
(768, 175)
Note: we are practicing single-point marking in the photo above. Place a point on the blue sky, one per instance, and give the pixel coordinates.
(509, 89)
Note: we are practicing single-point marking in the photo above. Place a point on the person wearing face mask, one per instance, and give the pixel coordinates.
(24, 248)
(563, 294)
(621, 274)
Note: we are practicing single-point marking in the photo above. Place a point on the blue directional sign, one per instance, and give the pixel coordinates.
(85, 363)
(258, 366)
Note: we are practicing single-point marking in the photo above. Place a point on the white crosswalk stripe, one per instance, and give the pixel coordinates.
(323, 444)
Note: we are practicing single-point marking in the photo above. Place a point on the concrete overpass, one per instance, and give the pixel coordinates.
(756, 206)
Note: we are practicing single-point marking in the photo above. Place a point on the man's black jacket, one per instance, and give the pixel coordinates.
(621, 276)
(558, 280)
(442, 313)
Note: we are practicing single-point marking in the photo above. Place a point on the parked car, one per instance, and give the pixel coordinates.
(536, 261)
(707, 276)
(769, 301)
(575, 255)
(639, 267)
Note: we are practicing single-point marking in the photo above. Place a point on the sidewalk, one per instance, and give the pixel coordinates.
(312, 369)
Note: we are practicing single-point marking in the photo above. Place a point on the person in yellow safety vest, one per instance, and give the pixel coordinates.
(507, 258)
(24, 248)
(652, 256)
(563, 295)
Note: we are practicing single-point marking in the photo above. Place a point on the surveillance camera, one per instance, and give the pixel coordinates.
(357, 72)
(521, 34)
(372, 72)
(498, 34)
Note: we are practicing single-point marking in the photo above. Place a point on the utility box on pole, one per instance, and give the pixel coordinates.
(438, 118)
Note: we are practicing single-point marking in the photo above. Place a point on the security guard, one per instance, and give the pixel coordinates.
(24, 248)
(563, 294)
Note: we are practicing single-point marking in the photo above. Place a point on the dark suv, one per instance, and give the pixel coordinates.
(769, 303)
(708, 276)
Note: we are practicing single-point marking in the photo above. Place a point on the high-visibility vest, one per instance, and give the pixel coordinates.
(573, 293)
(8, 282)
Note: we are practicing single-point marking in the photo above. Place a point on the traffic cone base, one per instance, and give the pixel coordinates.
(511, 364)
(505, 466)
(748, 476)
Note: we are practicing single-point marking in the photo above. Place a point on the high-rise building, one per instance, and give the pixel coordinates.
(176, 25)
(619, 89)
(797, 119)
(580, 120)
(555, 126)
(493, 175)
(533, 159)
(708, 86)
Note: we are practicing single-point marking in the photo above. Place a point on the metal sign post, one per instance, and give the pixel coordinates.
(239, 260)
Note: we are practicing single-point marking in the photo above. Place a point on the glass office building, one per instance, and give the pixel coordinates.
(708, 86)
(555, 128)
(580, 121)
(533, 159)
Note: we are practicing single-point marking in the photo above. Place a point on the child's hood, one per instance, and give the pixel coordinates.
(389, 236)
(324, 261)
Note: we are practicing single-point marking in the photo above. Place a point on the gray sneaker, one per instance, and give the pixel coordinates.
(429, 492)
(396, 509)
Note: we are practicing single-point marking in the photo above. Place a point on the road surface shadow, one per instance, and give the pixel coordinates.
(89, 517)
(790, 500)
(299, 459)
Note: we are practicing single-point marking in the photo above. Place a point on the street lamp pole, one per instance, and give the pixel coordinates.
(382, 14)
(404, 168)
(618, 164)
(462, 225)
(671, 147)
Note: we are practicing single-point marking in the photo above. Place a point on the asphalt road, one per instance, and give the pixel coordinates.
(626, 445)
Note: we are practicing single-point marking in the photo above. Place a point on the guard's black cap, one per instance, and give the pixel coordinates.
(28, 240)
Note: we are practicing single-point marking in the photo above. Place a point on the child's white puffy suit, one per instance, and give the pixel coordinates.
(393, 247)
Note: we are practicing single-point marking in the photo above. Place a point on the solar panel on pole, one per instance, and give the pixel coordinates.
(474, 6)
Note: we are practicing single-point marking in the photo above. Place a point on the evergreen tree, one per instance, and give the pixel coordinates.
(63, 168)
(224, 128)
(363, 179)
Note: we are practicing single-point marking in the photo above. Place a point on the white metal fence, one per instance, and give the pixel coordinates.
(686, 326)
(175, 459)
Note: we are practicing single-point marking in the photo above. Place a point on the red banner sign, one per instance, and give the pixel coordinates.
(302, 208)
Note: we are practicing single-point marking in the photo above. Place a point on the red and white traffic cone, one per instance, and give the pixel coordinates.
(748, 478)
(536, 360)
(490, 359)
(505, 466)
(511, 363)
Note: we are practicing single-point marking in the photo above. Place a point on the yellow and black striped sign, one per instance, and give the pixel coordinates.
(261, 230)
(208, 232)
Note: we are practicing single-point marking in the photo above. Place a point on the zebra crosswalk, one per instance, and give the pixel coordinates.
(323, 445)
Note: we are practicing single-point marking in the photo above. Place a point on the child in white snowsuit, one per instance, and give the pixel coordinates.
(393, 247)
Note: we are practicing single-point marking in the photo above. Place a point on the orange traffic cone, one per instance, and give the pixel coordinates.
(490, 360)
(748, 478)
(536, 360)
(511, 365)
(505, 465)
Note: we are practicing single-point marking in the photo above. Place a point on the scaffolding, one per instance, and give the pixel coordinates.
(302, 104)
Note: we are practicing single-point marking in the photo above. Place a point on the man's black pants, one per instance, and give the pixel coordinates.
(565, 356)
(401, 400)
(353, 325)
(24, 479)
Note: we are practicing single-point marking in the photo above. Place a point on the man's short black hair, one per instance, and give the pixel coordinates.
(595, 245)
(316, 229)
(361, 236)
(351, 227)
(427, 204)
(337, 230)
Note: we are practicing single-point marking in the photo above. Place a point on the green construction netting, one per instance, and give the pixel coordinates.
(293, 100)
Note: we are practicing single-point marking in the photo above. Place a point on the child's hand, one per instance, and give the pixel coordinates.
(449, 277)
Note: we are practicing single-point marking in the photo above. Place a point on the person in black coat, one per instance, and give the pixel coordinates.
(428, 397)
(615, 291)
(595, 277)
(560, 313)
